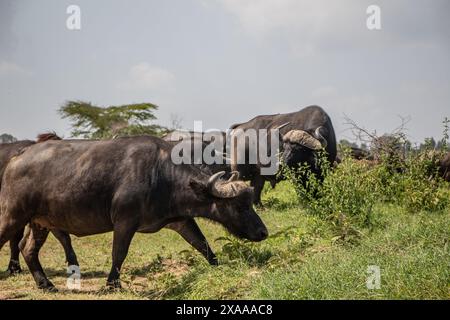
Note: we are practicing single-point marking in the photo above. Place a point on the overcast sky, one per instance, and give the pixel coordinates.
(225, 61)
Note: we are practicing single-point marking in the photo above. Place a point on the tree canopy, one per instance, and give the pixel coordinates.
(7, 138)
(94, 122)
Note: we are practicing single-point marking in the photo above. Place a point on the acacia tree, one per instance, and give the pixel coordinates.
(94, 122)
(7, 138)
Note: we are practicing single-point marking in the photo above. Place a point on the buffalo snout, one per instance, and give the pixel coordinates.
(257, 230)
(261, 234)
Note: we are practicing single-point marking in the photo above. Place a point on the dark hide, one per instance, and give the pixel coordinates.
(444, 167)
(7, 152)
(197, 138)
(124, 185)
(308, 119)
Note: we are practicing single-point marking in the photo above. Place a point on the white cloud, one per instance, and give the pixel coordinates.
(322, 25)
(144, 76)
(304, 24)
(263, 16)
(12, 69)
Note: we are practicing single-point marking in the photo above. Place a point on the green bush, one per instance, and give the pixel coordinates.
(347, 194)
(420, 187)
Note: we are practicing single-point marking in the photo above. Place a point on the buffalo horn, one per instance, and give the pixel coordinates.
(321, 138)
(225, 189)
(303, 138)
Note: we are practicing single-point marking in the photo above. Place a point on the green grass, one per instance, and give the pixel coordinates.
(302, 259)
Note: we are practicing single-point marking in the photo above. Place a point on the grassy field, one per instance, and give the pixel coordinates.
(302, 259)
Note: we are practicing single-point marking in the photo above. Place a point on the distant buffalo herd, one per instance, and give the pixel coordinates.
(130, 184)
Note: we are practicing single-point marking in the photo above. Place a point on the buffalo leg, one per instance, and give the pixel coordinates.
(258, 184)
(190, 231)
(9, 228)
(30, 246)
(14, 264)
(123, 234)
(66, 242)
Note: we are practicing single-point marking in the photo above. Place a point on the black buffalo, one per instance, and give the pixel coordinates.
(444, 167)
(125, 185)
(360, 154)
(302, 135)
(7, 152)
(354, 153)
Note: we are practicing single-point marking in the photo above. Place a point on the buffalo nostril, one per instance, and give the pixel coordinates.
(263, 233)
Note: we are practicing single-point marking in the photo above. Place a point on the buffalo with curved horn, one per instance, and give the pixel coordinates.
(302, 135)
(73, 186)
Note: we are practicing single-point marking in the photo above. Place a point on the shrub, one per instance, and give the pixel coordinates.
(420, 187)
(347, 194)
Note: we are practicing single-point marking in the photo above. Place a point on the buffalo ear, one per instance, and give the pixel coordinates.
(199, 188)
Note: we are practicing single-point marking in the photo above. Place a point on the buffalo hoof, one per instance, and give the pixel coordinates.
(50, 289)
(14, 268)
(47, 286)
(113, 285)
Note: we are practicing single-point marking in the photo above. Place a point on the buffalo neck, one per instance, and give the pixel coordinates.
(184, 201)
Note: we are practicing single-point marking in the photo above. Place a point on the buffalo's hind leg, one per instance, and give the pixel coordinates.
(30, 246)
(66, 242)
(190, 231)
(10, 228)
(14, 263)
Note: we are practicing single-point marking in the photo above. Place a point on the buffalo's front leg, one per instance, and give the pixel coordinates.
(123, 234)
(258, 184)
(30, 246)
(14, 264)
(190, 231)
(66, 242)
